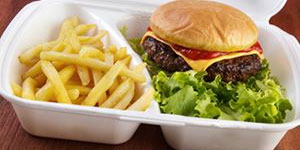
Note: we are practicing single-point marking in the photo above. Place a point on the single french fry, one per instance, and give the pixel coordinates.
(32, 62)
(121, 53)
(40, 79)
(17, 89)
(125, 101)
(68, 49)
(102, 98)
(112, 49)
(47, 91)
(73, 41)
(100, 34)
(53, 76)
(84, 39)
(67, 26)
(103, 85)
(113, 86)
(28, 87)
(59, 47)
(97, 75)
(27, 56)
(143, 102)
(84, 28)
(84, 75)
(88, 51)
(74, 59)
(109, 58)
(116, 96)
(66, 73)
(33, 71)
(97, 44)
(82, 89)
(137, 77)
(139, 68)
(95, 38)
(127, 60)
(73, 94)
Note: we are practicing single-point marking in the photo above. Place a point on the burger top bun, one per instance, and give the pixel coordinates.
(204, 25)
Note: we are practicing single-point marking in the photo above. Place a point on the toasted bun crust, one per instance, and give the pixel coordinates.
(204, 25)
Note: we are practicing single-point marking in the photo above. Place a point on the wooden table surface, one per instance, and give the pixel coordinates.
(147, 137)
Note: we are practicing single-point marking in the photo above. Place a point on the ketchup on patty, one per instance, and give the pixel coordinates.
(195, 54)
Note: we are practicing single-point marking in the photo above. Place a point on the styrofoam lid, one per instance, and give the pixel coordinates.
(258, 10)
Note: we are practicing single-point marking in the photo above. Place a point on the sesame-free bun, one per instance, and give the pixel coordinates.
(204, 25)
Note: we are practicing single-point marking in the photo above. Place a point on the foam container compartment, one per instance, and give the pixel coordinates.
(40, 21)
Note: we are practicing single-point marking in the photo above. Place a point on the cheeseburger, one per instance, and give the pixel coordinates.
(204, 36)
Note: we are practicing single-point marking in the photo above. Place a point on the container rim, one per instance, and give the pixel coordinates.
(267, 12)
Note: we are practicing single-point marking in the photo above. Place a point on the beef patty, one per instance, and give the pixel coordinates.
(236, 69)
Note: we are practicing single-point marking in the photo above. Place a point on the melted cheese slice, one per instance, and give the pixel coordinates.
(203, 64)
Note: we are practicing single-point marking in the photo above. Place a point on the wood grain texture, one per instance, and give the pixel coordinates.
(147, 137)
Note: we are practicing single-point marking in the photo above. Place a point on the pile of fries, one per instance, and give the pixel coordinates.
(77, 69)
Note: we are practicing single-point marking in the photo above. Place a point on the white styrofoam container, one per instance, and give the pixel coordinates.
(39, 22)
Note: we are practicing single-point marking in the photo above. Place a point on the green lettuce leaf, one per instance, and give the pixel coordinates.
(182, 102)
(206, 106)
(260, 99)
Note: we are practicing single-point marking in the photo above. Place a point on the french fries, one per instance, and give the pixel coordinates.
(88, 51)
(28, 87)
(126, 60)
(53, 77)
(143, 102)
(118, 93)
(33, 71)
(84, 75)
(97, 75)
(77, 68)
(103, 85)
(109, 58)
(121, 53)
(112, 49)
(74, 59)
(97, 37)
(88, 62)
(27, 56)
(125, 101)
(47, 91)
(84, 28)
(139, 67)
(102, 99)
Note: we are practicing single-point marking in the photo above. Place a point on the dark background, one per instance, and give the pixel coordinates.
(147, 137)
